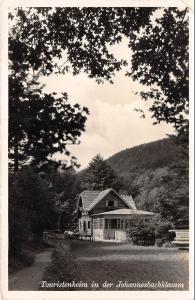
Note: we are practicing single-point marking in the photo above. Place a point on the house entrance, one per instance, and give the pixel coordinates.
(110, 228)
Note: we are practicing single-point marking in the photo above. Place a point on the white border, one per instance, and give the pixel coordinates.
(99, 3)
(84, 295)
(191, 150)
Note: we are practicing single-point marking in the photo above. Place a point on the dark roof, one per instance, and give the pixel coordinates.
(101, 195)
(88, 197)
(125, 211)
(91, 198)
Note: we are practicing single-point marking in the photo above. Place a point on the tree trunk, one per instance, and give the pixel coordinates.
(59, 220)
(16, 163)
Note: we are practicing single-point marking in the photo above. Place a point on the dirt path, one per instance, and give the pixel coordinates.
(29, 279)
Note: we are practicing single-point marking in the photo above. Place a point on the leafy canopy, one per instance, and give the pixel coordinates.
(82, 34)
(58, 40)
(40, 124)
(160, 60)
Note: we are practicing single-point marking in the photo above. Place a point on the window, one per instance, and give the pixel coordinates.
(94, 224)
(113, 223)
(118, 223)
(84, 225)
(98, 223)
(106, 223)
(110, 204)
(122, 223)
(101, 223)
(89, 225)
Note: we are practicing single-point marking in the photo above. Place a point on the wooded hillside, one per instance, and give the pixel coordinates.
(156, 175)
(152, 155)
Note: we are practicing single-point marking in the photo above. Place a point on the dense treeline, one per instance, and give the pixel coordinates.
(37, 202)
(157, 175)
(152, 155)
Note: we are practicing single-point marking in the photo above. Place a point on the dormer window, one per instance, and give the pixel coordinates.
(110, 204)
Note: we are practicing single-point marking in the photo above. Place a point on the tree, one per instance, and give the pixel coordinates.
(99, 176)
(47, 40)
(64, 187)
(165, 191)
(61, 205)
(161, 61)
(40, 124)
(39, 202)
(158, 38)
(19, 226)
(84, 33)
(30, 209)
(173, 201)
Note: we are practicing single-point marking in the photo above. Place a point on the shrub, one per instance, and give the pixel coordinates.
(162, 231)
(149, 234)
(141, 234)
(63, 266)
(159, 242)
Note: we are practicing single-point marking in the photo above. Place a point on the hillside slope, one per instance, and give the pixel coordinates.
(156, 175)
(152, 155)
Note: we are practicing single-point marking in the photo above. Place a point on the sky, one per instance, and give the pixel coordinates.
(112, 125)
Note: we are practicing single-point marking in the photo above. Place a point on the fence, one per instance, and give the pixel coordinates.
(53, 234)
(181, 239)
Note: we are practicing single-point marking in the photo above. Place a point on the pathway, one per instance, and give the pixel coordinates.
(29, 279)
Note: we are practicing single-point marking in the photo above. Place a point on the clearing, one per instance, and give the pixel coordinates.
(101, 261)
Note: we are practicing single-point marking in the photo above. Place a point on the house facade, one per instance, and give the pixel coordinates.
(106, 215)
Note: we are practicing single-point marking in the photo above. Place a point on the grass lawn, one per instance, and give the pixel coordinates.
(99, 262)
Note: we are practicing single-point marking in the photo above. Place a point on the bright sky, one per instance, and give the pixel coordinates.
(112, 125)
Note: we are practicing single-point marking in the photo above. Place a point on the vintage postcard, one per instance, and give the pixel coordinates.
(97, 122)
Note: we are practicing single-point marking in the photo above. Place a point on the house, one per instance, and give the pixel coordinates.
(106, 215)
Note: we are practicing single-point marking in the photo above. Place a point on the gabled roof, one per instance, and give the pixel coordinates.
(88, 197)
(99, 198)
(125, 211)
(91, 198)
(129, 201)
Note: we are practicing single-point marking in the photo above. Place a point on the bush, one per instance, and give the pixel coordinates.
(141, 234)
(162, 231)
(63, 266)
(156, 232)
(159, 242)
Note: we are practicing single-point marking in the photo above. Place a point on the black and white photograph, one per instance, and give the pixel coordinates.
(99, 149)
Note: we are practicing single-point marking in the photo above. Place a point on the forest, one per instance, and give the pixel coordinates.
(44, 41)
